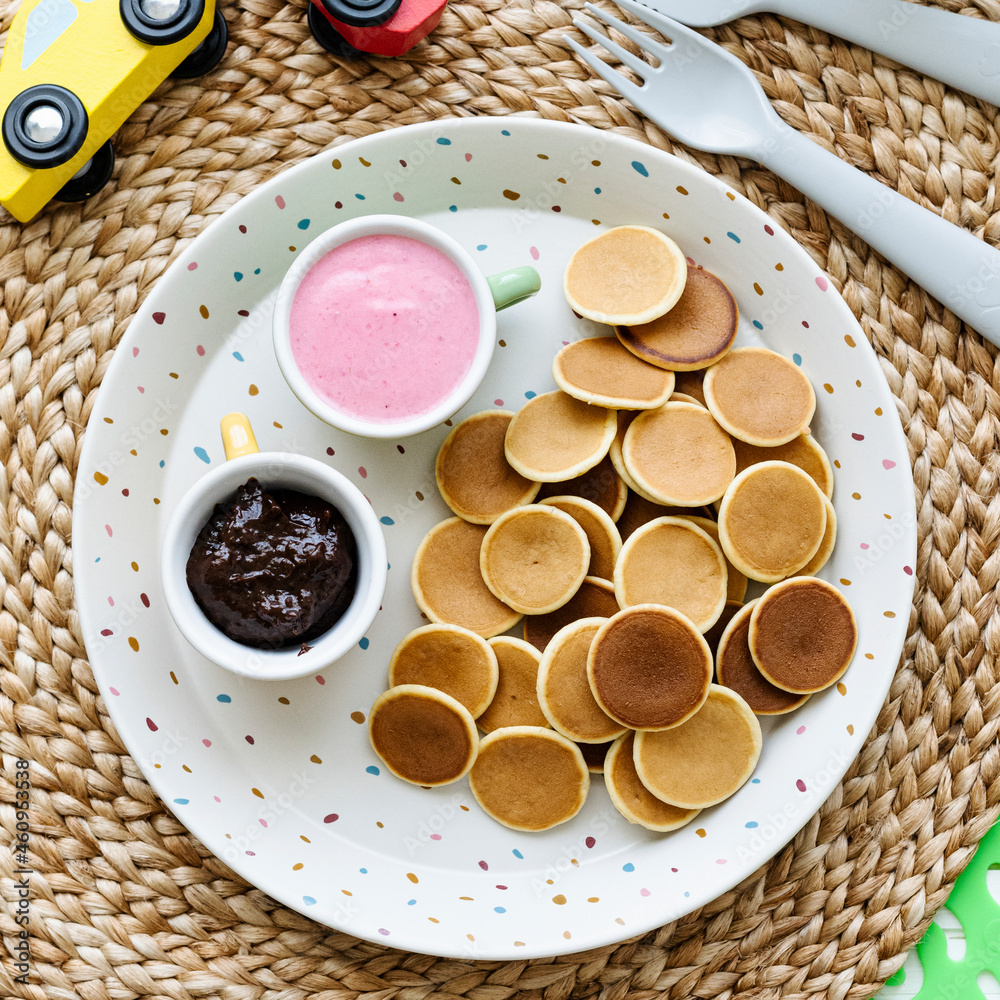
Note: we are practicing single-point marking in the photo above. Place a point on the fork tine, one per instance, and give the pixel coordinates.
(639, 65)
(658, 49)
(624, 86)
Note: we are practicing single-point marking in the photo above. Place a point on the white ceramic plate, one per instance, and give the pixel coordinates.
(278, 779)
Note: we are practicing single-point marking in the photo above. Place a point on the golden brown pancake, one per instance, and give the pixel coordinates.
(594, 754)
(679, 455)
(759, 396)
(736, 582)
(826, 546)
(673, 562)
(714, 634)
(630, 274)
(423, 735)
(473, 474)
(599, 370)
(564, 692)
(683, 397)
(639, 511)
(691, 384)
(802, 451)
(448, 585)
(649, 667)
(771, 521)
(534, 558)
(696, 333)
(706, 759)
(516, 700)
(451, 659)
(555, 437)
(529, 778)
(595, 599)
(622, 423)
(605, 542)
(735, 669)
(601, 485)
(632, 798)
(803, 635)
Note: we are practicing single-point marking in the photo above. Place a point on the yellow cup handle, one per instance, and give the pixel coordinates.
(237, 436)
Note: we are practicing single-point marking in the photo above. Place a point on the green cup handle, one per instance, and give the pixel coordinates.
(513, 286)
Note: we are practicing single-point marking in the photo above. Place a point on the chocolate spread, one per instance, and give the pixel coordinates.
(273, 568)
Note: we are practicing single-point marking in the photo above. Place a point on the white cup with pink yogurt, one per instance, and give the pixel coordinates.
(384, 326)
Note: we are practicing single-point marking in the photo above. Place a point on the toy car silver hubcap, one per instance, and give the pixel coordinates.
(159, 10)
(44, 124)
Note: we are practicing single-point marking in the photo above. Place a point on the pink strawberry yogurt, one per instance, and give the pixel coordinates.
(384, 327)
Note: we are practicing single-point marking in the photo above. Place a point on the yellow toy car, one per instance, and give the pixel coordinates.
(73, 71)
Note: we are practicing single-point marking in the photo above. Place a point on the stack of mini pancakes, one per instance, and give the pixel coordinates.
(621, 518)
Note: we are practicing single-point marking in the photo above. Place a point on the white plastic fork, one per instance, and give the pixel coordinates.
(708, 99)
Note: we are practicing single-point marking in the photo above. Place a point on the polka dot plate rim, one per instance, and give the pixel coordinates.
(277, 778)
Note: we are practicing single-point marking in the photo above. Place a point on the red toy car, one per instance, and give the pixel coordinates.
(379, 27)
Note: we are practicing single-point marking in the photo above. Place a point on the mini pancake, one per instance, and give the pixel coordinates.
(601, 485)
(594, 754)
(623, 422)
(516, 700)
(595, 599)
(448, 585)
(451, 659)
(691, 384)
(534, 558)
(639, 511)
(706, 759)
(759, 396)
(529, 778)
(673, 562)
(564, 692)
(771, 521)
(649, 667)
(826, 547)
(735, 669)
(683, 397)
(605, 542)
(473, 475)
(803, 635)
(599, 370)
(802, 451)
(696, 333)
(555, 437)
(629, 274)
(714, 634)
(632, 798)
(423, 735)
(736, 582)
(679, 455)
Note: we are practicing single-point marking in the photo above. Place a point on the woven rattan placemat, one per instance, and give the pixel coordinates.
(125, 903)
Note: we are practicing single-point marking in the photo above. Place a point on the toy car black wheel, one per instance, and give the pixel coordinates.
(161, 22)
(44, 126)
(209, 54)
(91, 177)
(328, 36)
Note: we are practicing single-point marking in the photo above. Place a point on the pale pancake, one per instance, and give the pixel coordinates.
(736, 582)
(423, 735)
(826, 547)
(595, 599)
(679, 455)
(529, 778)
(803, 635)
(714, 634)
(683, 397)
(802, 451)
(771, 521)
(599, 370)
(696, 333)
(451, 659)
(605, 542)
(473, 475)
(564, 692)
(630, 274)
(534, 558)
(649, 667)
(691, 384)
(706, 759)
(735, 669)
(516, 700)
(622, 423)
(594, 754)
(673, 562)
(448, 585)
(632, 798)
(639, 511)
(759, 396)
(601, 485)
(555, 437)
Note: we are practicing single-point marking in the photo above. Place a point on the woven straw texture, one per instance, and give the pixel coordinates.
(125, 902)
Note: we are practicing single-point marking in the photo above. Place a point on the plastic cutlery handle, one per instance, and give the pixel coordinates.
(958, 269)
(960, 50)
